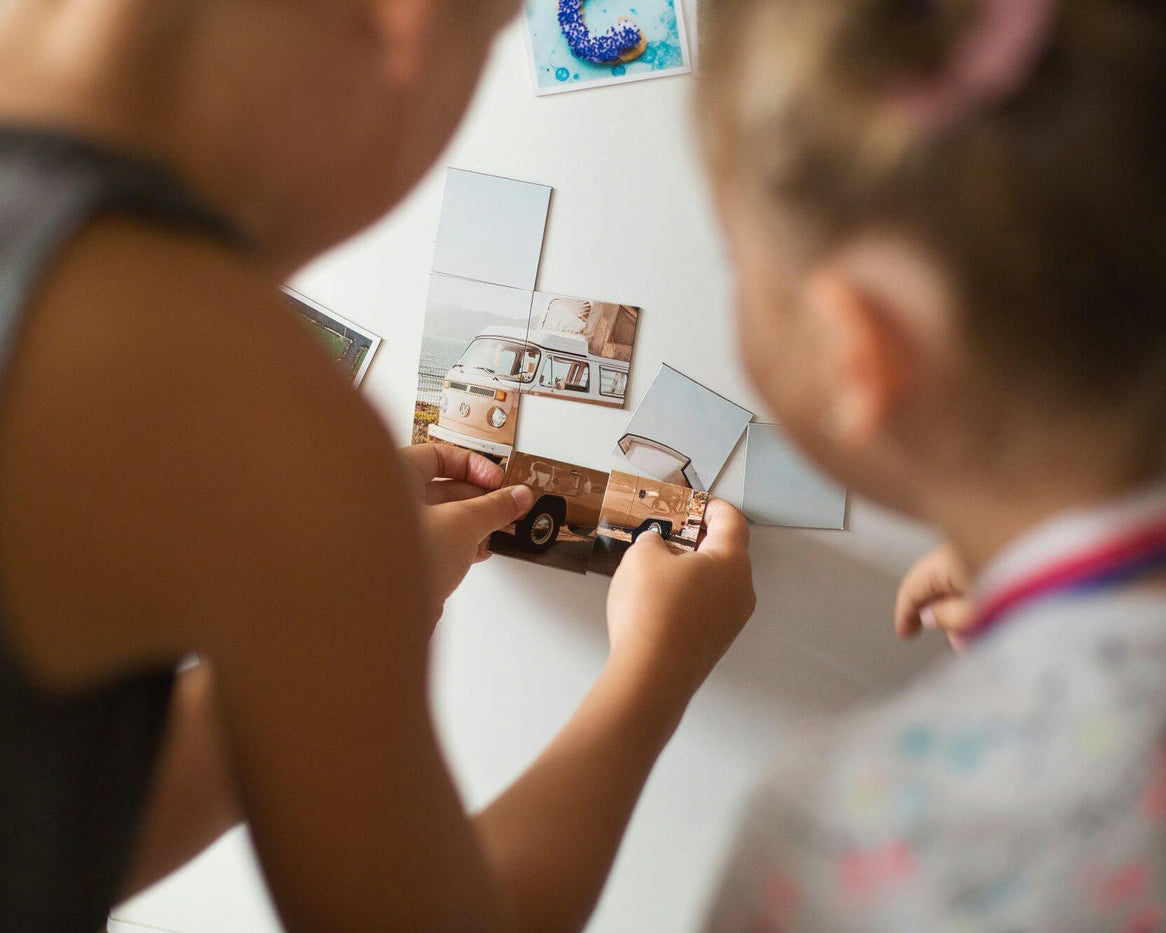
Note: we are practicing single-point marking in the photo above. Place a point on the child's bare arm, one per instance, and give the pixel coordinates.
(183, 470)
(194, 800)
(552, 837)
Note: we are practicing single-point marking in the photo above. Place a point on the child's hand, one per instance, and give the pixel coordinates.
(933, 595)
(461, 506)
(672, 615)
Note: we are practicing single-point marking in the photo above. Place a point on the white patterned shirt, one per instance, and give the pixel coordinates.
(1019, 787)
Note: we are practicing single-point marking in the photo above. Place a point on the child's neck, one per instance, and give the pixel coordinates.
(981, 527)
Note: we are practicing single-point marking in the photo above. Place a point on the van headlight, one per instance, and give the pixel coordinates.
(443, 405)
(497, 417)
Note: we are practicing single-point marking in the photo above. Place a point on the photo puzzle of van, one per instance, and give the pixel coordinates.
(585, 348)
(560, 529)
(474, 362)
(634, 506)
(479, 399)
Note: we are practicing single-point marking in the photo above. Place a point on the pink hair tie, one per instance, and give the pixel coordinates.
(992, 61)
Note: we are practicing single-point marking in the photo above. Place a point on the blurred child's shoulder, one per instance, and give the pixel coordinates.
(1065, 704)
(1013, 784)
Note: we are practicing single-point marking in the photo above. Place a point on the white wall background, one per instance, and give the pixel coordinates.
(519, 645)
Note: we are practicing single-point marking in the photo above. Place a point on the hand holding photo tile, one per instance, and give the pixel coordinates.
(782, 488)
(682, 433)
(559, 531)
(634, 506)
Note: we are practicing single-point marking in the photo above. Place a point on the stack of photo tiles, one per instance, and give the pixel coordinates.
(490, 340)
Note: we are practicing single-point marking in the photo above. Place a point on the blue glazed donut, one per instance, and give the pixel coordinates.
(624, 42)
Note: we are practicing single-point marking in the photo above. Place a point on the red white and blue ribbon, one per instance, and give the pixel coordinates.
(1104, 564)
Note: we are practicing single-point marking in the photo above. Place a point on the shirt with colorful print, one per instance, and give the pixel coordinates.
(1019, 787)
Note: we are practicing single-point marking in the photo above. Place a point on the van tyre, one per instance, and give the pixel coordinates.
(662, 528)
(540, 529)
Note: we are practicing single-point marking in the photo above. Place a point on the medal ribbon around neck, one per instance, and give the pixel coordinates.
(1122, 559)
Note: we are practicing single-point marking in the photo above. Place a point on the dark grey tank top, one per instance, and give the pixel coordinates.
(74, 772)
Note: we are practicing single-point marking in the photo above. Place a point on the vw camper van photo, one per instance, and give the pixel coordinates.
(560, 528)
(478, 408)
(586, 348)
(635, 506)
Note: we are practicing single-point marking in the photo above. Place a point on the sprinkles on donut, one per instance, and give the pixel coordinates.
(623, 43)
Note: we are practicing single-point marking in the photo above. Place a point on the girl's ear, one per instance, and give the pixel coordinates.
(866, 358)
(405, 28)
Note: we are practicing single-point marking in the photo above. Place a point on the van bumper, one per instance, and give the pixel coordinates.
(437, 432)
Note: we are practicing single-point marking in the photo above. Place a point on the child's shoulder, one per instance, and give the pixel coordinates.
(166, 421)
(995, 782)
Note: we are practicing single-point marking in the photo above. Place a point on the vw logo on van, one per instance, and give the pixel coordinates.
(464, 410)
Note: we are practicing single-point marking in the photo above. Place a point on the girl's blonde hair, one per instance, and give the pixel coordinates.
(1044, 204)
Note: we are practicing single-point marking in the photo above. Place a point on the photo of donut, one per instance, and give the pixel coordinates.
(578, 44)
(623, 42)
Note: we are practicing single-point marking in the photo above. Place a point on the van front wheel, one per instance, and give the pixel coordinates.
(540, 529)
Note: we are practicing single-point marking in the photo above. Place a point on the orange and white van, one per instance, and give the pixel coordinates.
(479, 399)
(634, 505)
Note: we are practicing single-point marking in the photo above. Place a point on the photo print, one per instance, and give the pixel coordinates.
(475, 359)
(635, 505)
(559, 531)
(585, 348)
(573, 44)
(782, 488)
(352, 347)
(491, 229)
(682, 433)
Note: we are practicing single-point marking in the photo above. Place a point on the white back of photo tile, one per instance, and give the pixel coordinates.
(519, 645)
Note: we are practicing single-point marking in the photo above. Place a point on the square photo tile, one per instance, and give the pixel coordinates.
(350, 345)
(682, 433)
(559, 531)
(585, 348)
(782, 488)
(635, 505)
(491, 229)
(475, 360)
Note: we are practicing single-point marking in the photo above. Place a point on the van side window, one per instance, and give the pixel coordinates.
(565, 482)
(561, 373)
(612, 382)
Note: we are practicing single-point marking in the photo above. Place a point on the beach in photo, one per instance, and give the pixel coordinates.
(474, 361)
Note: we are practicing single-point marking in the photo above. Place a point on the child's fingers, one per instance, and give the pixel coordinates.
(955, 615)
(442, 461)
(480, 516)
(441, 491)
(727, 529)
(934, 577)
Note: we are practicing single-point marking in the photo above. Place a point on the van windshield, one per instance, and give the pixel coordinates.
(506, 359)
